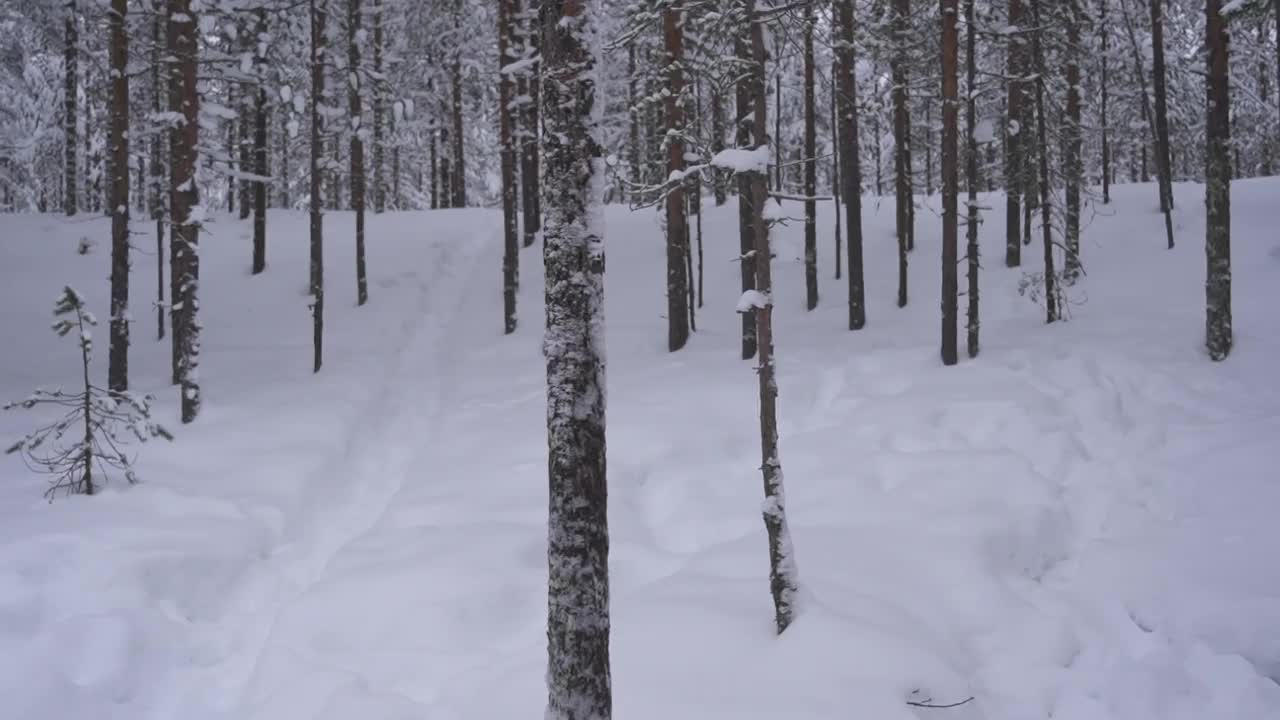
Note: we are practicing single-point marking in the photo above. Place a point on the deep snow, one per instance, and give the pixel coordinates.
(1078, 524)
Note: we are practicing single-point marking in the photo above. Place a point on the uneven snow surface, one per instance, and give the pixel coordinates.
(1078, 525)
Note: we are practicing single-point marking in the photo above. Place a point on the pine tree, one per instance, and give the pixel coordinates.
(70, 109)
(810, 166)
(184, 101)
(1015, 134)
(1218, 334)
(676, 220)
(356, 152)
(851, 161)
(950, 185)
(510, 230)
(579, 685)
(118, 350)
(318, 14)
(971, 173)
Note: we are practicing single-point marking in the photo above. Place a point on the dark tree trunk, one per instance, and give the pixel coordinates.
(1163, 164)
(184, 100)
(459, 163)
(810, 167)
(531, 193)
(118, 48)
(903, 217)
(1050, 278)
(435, 169)
(744, 138)
(319, 16)
(950, 184)
(1105, 32)
(1015, 136)
(717, 143)
(1218, 334)
(260, 157)
(379, 152)
(677, 223)
(159, 79)
(836, 187)
(70, 110)
(851, 163)
(510, 230)
(286, 200)
(356, 109)
(1071, 160)
(579, 685)
(971, 119)
(783, 583)
(1149, 116)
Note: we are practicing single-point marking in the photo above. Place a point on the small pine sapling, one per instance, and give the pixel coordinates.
(88, 443)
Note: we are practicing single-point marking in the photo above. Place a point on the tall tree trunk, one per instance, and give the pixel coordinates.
(677, 223)
(379, 152)
(904, 216)
(783, 582)
(184, 100)
(118, 354)
(810, 167)
(510, 230)
(159, 79)
(1217, 196)
(777, 129)
(1050, 277)
(1015, 135)
(950, 183)
(531, 193)
(1163, 163)
(1149, 115)
(459, 163)
(579, 685)
(971, 120)
(1105, 33)
(286, 199)
(1072, 163)
(836, 187)
(718, 185)
(356, 107)
(70, 110)
(319, 16)
(260, 152)
(744, 137)
(851, 162)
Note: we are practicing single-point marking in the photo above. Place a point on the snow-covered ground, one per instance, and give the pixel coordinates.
(1079, 524)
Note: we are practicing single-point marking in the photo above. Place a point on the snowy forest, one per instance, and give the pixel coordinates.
(351, 254)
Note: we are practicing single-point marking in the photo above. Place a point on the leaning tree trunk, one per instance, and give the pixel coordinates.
(810, 167)
(578, 678)
(950, 185)
(1218, 334)
(184, 100)
(677, 222)
(851, 163)
(70, 110)
(118, 353)
(356, 106)
(783, 582)
(510, 230)
(319, 15)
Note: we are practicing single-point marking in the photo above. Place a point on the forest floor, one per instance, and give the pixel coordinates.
(1078, 524)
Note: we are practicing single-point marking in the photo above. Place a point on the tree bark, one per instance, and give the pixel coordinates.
(851, 163)
(184, 100)
(950, 185)
(1050, 278)
(677, 223)
(379, 82)
(260, 167)
(510, 230)
(1015, 136)
(1072, 163)
(1105, 32)
(579, 685)
(531, 193)
(743, 138)
(783, 583)
(70, 110)
(319, 16)
(459, 163)
(1218, 333)
(159, 79)
(356, 108)
(118, 352)
(903, 218)
(810, 167)
(971, 119)
(1163, 164)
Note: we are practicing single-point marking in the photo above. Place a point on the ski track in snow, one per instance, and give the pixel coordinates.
(1075, 525)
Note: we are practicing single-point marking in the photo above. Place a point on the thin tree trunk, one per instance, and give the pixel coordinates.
(1015, 135)
(1072, 164)
(510, 229)
(319, 16)
(70, 110)
(579, 684)
(356, 108)
(836, 187)
(260, 157)
(379, 152)
(159, 79)
(184, 99)
(746, 211)
(971, 119)
(1163, 164)
(531, 193)
(677, 223)
(459, 163)
(118, 353)
(1218, 333)
(1105, 32)
(810, 167)
(717, 143)
(783, 582)
(950, 183)
(1050, 278)
(903, 218)
(1149, 115)
(851, 170)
